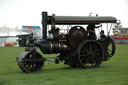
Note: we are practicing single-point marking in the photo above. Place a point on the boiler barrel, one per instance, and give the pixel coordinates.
(48, 47)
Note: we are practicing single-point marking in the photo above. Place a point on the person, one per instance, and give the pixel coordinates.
(102, 35)
(91, 31)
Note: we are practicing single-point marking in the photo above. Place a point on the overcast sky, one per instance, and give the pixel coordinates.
(28, 12)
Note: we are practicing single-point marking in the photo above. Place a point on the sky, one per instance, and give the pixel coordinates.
(28, 12)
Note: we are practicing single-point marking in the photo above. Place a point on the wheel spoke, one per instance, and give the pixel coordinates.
(92, 59)
(82, 59)
(83, 55)
(91, 47)
(109, 50)
(94, 47)
(85, 50)
(95, 51)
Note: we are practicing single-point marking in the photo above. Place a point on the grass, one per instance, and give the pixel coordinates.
(112, 72)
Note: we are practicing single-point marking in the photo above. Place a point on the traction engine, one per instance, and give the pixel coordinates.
(74, 48)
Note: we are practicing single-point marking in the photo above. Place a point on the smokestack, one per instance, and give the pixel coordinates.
(44, 24)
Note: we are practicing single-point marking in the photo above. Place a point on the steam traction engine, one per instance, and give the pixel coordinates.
(73, 47)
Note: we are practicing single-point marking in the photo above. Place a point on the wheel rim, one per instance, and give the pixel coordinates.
(90, 54)
(30, 62)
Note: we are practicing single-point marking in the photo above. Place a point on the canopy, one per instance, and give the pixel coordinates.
(82, 19)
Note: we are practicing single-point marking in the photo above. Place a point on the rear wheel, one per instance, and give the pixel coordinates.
(111, 47)
(90, 54)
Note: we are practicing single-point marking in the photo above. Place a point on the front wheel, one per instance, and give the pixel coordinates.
(30, 61)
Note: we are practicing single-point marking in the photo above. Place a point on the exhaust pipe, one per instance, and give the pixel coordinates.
(44, 25)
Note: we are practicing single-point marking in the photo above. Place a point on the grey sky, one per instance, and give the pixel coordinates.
(28, 12)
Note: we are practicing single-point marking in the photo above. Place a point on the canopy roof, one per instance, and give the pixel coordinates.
(81, 19)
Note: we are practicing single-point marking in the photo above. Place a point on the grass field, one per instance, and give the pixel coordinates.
(112, 72)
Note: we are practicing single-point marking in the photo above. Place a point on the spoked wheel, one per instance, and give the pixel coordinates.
(111, 47)
(30, 62)
(90, 54)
